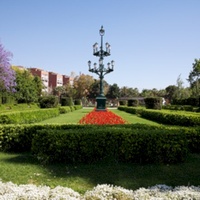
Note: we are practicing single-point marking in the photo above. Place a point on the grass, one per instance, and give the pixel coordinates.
(133, 118)
(24, 169)
(70, 118)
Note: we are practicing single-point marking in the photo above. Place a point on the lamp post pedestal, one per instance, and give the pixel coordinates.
(101, 103)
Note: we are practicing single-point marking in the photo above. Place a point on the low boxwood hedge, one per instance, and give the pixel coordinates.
(25, 117)
(34, 116)
(122, 144)
(89, 143)
(165, 117)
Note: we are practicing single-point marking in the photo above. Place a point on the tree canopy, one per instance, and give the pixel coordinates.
(194, 78)
(7, 74)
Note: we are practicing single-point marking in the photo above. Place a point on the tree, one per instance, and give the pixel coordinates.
(82, 85)
(194, 78)
(70, 91)
(181, 92)
(129, 92)
(27, 87)
(94, 90)
(39, 85)
(7, 74)
(59, 90)
(170, 92)
(113, 92)
(147, 93)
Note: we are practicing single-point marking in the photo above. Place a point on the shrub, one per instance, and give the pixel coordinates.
(192, 101)
(133, 102)
(123, 144)
(48, 101)
(28, 116)
(132, 110)
(89, 143)
(77, 102)
(122, 102)
(77, 107)
(165, 117)
(153, 103)
(66, 101)
(64, 109)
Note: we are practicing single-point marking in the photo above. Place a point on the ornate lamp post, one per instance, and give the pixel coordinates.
(100, 69)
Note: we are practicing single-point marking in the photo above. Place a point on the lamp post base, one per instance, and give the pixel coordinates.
(101, 103)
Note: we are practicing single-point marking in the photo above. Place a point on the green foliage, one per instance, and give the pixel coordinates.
(49, 101)
(7, 98)
(18, 107)
(28, 116)
(194, 78)
(164, 116)
(77, 102)
(16, 138)
(193, 137)
(64, 109)
(153, 102)
(66, 101)
(78, 107)
(92, 144)
(132, 110)
(192, 101)
(179, 107)
(122, 102)
(28, 87)
(88, 143)
(133, 102)
(67, 109)
(113, 91)
(155, 146)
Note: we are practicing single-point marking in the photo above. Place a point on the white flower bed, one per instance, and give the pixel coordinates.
(10, 191)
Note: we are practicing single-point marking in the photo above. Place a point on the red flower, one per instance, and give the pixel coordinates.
(102, 117)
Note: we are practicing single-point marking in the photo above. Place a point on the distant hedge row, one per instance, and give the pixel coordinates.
(89, 143)
(164, 116)
(33, 116)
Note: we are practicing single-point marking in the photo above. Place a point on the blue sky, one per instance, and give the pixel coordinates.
(152, 41)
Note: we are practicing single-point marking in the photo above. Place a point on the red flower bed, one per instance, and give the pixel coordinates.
(102, 117)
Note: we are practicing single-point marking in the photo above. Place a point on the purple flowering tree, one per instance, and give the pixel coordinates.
(7, 74)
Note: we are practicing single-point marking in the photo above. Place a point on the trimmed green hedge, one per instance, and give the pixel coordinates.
(170, 118)
(122, 144)
(182, 107)
(34, 116)
(30, 116)
(165, 117)
(89, 143)
(18, 138)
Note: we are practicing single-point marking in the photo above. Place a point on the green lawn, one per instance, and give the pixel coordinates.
(133, 118)
(24, 169)
(69, 118)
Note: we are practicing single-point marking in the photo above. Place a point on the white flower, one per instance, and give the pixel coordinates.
(10, 191)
